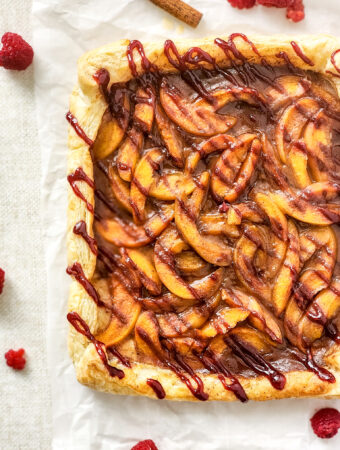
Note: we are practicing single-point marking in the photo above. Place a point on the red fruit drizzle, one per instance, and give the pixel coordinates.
(230, 47)
(2, 280)
(102, 78)
(16, 359)
(256, 362)
(81, 230)
(333, 60)
(80, 175)
(73, 121)
(300, 53)
(81, 326)
(311, 365)
(77, 272)
(326, 422)
(119, 356)
(157, 388)
(146, 64)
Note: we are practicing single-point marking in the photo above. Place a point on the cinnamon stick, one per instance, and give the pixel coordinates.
(180, 10)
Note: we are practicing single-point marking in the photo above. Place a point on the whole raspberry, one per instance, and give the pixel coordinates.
(326, 422)
(15, 359)
(145, 445)
(16, 53)
(274, 3)
(2, 279)
(241, 4)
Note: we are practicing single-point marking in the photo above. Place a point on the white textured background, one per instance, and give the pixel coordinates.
(25, 411)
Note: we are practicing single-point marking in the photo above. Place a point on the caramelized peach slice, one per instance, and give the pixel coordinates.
(259, 317)
(321, 191)
(144, 110)
(318, 140)
(277, 219)
(110, 133)
(323, 308)
(288, 271)
(142, 180)
(120, 189)
(216, 224)
(170, 136)
(147, 335)
(172, 325)
(124, 316)
(142, 261)
(211, 248)
(253, 338)
(128, 153)
(224, 320)
(292, 122)
(298, 163)
(169, 186)
(234, 168)
(189, 263)
(196, 116)
(168, 303)
(287, 89)
(167, 272)
(298, 208)
(129, 235)
(187, 345)
(243, 211)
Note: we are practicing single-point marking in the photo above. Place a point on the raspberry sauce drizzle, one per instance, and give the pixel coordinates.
(156, 387)
(77, 272)
(256, 362)
(73, 121)
(81, 230)
(80, 175)
(333, 60)
(118, 355)
(102, 78)
(297, 49)
(81, 326)
(312, 366)
(146, 64)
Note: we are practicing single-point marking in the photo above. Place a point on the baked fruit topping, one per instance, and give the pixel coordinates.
(216, 214)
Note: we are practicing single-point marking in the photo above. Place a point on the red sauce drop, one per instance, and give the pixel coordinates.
(300, 53)
(81, 326)
(77, 128)
(80, 175)
(157, 388)
(80, 230)
(321, 372)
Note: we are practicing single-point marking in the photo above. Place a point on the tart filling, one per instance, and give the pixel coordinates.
(215, 220)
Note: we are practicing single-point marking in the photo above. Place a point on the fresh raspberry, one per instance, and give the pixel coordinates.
(16, 54)
(326, 422)
(240, 4)
(295, 10)
(145, 445)
(274, 3)
(2, 279)
(15, 359)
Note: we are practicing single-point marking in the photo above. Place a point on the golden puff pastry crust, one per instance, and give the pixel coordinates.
(88, 105)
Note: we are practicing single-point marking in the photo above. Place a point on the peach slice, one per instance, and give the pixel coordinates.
(189, 263)
(289, 270)
(142, 180)
(216, 224)
(287, 89)
(128, 153)
(298, 208)
(292, 122)
(110, 133)
(254, 238)
(169, 186)
(195, 116)
(298, 163)
(120, 189)
(253, 338)
(144, 110)
(277, 219)
(321, 191)
(323, 308)
(173, 325)
(243, 211)
(234, 168)
(185, 346)
(224, 320)
(168, 303)
(167, 272)
(124, 316)
(318, 140)
(122, 234)
(170, 136)
(260, 317)
(142, 261)
(147, 335)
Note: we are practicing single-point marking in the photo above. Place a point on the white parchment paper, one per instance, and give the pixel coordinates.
(82, 418)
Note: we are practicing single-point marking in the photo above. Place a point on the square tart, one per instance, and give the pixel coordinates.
(203, 216)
